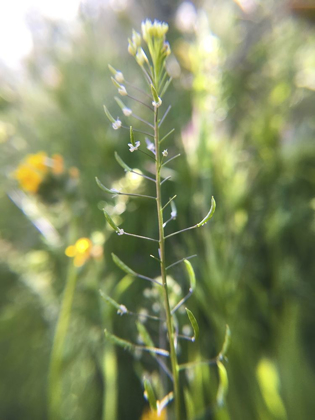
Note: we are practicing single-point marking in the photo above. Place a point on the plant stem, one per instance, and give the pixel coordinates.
(55, 369)
(169, 319)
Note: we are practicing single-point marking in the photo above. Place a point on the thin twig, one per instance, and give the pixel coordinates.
(166, 135)
(138, 89)
(156, 318)
(179, 261)
(182, 301)
(171, 199)
(134, 195)
(140, 102)
(213, 361)
(138, 236)
(180, 231)
(185, 337)
(148, 278)
(165, 179)
(142, 120)
(138, 131)
(164, 116)
(143, 176)
(147, 154)
(169, 160)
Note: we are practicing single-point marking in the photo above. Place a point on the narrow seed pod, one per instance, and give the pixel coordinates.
(109, 116)
(149, 394)
(110, 221)
(194, 324)
(223, 385)
(210, 213)
(122, 163)
(226, 342)
(115, 83)
(111, 68)
(119, 341)
(154, 94)
(145, 336)
(132, 138)
(102, 187)
(121, 309)
(191, 274)
(122, 265)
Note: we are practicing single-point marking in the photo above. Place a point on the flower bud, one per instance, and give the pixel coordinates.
(136, 38)
(141, 57)
(132, 48)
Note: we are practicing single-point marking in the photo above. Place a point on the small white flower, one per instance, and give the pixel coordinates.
(135, 147)
(157, 104)
(165, 153)
(122, 91)
(119, 77)
(173, 214)
(150, 146)
(117, 124)
(127, 112)
(122, 310)
(120, 232)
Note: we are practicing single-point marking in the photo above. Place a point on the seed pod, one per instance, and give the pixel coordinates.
(154, 94)
(132, 138)
(194, 324)
(149, 394)
(110, 221)
(122, 163)
(226, 342)
(191, 274)
(145, 336)
(102, 187)
(122, 265)
(210, 213)
(223, 385)
(109, 116)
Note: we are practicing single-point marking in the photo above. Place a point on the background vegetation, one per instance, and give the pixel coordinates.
(243, 108)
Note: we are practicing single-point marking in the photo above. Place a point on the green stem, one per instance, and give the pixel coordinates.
(55, 369)
(169, 319)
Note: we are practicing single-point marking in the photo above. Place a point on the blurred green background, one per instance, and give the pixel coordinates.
(243, 106)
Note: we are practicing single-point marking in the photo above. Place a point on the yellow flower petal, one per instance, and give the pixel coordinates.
(70, 251)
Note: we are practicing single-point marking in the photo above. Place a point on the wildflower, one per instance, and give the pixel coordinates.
(150, 146)
(156, 29)
(165, 153)
(157, 103)
(117, 74)
(38, 161)
(116, 124)
(122, 91)
(132, 147)
(127, 111)
(136, 38)
(57, 164)
(83, 250)
(141, 57)
(29, 179)
(153, 415)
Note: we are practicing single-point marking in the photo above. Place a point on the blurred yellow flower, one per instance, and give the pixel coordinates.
(38, 161)
(28, 177)
(83, 250)
(153, 415)
(57, 164)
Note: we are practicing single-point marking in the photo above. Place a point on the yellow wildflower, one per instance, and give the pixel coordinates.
(153, 415)
(38, 161)
(28, 178)
(83, 250)
(57, 164)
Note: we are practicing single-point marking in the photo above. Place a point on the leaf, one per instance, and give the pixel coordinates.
(145, 336)
(122, 163)
(226, 342)
(223, 384)
(132, 138)
(191, 274)
(122, 265)
(102, 187)
(109, 116)
(149, 394)
(110, 221)
(210, 213)
(121, 309)
(194, 324)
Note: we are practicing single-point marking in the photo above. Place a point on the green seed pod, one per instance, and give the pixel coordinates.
(154, 94)
(122, 163)
(149, 394)
(223, 385)
(122, 265)
(191, 274)
(102, 187)
(145, 336)
(110, 221)
(194, 324)
(109, 116)
(226, 342)
(132, 138)
(115, 83)
(119, 341)
(210, 213)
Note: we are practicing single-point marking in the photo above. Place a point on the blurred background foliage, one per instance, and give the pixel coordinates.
(243, 108)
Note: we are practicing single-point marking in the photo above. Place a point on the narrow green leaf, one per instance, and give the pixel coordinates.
(109, 115)
(110, 221)
(122, 163)
(132, 137)
(226, 342)
(210, 213)
(194, 324)
(154, 94)
(119, 341)
(223, 384)
(191, 274)
(102, 187)
(122, 265)
(121, 309)
(145, 336)
(149, 394)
